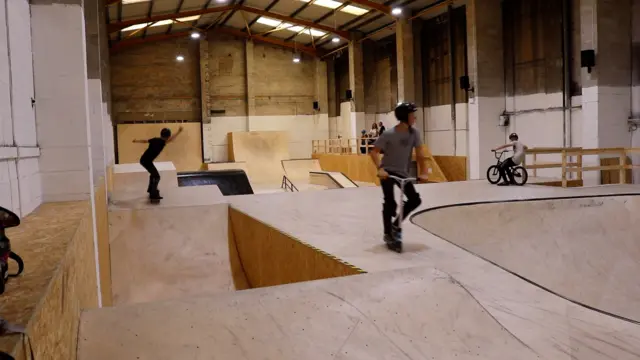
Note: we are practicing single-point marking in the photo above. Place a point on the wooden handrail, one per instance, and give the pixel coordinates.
(569, 166)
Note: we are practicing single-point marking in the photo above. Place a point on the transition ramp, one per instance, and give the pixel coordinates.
(262, 152)
(585, 249)
(299, 169)
(331, 180)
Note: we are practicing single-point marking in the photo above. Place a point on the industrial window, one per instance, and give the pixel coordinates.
(437, 74)
(533, 46)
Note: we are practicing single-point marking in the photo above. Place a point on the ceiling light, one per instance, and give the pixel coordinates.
(296, 58)
(180, 58)
(195, 35)
(289, 27)
(396, 11)
(160, 23)
(221, 1)
(127, 2)
(349, 9)
(335, 40)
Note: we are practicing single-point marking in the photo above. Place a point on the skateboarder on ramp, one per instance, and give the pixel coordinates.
(156, 145)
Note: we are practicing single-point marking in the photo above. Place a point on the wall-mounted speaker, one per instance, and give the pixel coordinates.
(316, 106)
(464, 82)
(588, 59)
(349, 94)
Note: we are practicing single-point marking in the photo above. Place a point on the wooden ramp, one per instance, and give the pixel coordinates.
(359, 317)
(262, 152)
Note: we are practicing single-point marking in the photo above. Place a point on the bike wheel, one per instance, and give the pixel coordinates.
(493, 174)
(520, 175)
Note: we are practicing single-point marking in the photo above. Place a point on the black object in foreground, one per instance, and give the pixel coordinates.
(230, 182)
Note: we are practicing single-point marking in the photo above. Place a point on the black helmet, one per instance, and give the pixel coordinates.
(513, 136)
(165, 133)
(403, 110)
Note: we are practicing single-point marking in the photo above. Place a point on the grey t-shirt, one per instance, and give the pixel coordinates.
(397, 148)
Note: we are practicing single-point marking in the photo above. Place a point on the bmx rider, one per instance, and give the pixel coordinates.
(156, 145)
(518, 155)
(397, 145)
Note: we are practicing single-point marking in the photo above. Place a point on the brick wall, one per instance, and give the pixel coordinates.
(147, 82)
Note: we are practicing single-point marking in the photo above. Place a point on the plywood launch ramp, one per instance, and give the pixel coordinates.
(358, 317)
(585, 249)
(262, 152)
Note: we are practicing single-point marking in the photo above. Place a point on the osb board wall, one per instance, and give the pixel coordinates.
(185, 151)
(453, 167)
(102, 225)
(269, 257)
(355, 167)
(56, 244)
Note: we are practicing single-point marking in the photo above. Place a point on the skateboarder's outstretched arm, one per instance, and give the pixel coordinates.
(175, 135)
(140, 141)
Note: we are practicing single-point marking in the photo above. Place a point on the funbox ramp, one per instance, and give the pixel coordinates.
(585, 249)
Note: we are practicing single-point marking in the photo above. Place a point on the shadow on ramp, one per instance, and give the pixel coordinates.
(230, 182)
(583, 249)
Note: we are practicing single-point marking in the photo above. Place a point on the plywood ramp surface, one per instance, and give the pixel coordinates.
(586, 249)
(167, 253)
(262, 151)
(299, 169)
(361, 317)
(227, 166)
(347, 224)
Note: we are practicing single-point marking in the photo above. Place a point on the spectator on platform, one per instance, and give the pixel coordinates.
(381, 128)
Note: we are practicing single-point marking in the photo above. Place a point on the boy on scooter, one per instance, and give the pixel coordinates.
(397, 145)
(518, 155)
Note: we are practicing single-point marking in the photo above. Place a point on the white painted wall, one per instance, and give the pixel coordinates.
(439, 134)
(20, 181)
(302, 130)
(62, 95)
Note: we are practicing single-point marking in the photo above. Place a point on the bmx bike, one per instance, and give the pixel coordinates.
(520, 174)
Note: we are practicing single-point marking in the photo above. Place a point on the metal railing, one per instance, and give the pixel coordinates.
(287, 185)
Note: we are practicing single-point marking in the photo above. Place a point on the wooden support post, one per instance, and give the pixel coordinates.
(535, 161)
(564, 168)
(579, 161)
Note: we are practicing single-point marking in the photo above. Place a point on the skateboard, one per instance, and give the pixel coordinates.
(154, 201)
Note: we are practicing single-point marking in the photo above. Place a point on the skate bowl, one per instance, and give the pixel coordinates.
(584, 249)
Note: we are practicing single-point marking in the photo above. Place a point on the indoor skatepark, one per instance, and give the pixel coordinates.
(267, 243)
